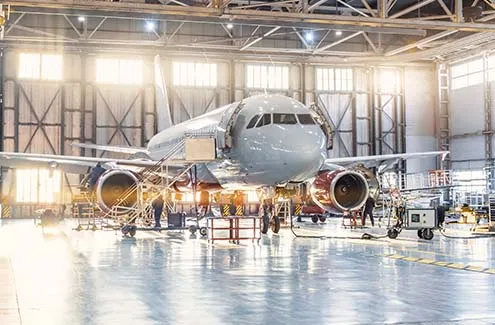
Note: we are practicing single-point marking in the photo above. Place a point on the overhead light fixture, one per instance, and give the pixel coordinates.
(338, 33)
(81, 19)
(230, 25)
(309, 36)
(150, 26)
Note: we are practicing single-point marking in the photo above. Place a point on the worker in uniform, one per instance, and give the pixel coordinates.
(441, 209)
(368, 210)
(158, 209)
(94, 175)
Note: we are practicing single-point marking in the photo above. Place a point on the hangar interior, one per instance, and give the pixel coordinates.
(69, 76)
(393, 76)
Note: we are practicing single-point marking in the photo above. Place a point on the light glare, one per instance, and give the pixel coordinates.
(81, 19)
(150, 26)
(230, 25)
(308, 36)
(338, 33)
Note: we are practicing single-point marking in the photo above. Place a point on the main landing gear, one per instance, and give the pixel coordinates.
(272, 223)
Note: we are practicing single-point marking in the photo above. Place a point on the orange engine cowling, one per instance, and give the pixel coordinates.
(116, 191)
(337, 191)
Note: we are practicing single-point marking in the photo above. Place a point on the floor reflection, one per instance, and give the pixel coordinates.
(66, 277)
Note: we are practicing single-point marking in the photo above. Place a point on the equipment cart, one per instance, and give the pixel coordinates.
(424, 220)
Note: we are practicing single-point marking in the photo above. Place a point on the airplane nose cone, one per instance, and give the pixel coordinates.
(306, 152)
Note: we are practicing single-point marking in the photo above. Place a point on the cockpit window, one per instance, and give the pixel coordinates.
(305, 119)
(265, 120)
(284, 119)
(253, 121)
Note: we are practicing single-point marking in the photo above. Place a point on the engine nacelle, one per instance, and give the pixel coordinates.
(117, 188)
(340, 190)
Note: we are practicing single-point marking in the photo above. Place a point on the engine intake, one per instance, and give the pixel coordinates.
(117, 190)
(339, 190)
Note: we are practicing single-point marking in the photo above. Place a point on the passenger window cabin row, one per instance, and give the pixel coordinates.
(279, 118)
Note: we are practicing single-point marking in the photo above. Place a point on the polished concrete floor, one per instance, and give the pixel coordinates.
(67, 277)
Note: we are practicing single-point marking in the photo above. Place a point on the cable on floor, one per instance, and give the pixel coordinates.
(364, 236)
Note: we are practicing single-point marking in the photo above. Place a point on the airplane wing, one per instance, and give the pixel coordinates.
(129, 150)
(380, 159)
(70, 164)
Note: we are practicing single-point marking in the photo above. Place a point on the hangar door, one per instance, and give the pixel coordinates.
(196, 88)
(122, 101)
(342, 92)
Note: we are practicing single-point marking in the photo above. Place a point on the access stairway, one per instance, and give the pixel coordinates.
(153, 180)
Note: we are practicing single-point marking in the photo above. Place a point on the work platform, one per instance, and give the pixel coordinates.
(68, 277)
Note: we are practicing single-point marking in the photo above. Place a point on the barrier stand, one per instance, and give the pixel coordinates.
(236, 231)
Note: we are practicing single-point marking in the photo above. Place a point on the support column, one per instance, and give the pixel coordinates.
(488, 124)
(459, 16)
(443, 116)
(382, 9)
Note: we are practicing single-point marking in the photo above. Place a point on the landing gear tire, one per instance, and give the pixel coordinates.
(314, 219)
(265, 224)
(125, 230)
(420, 233)
(392, 233)
(427, 234)
(193, 229)
(275, 224)
(322, 219)
(132, 231)
(299, 219)
(203, 231)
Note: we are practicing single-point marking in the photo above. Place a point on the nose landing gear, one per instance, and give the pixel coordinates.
(270, 222)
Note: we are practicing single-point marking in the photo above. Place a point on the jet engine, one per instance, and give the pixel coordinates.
(117, 188)
(339, 190)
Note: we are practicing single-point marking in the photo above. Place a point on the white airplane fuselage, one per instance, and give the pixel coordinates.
(284, 147)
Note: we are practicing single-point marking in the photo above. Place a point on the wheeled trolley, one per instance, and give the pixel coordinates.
(424, 220)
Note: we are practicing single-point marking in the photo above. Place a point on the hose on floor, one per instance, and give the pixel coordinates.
(364, 236)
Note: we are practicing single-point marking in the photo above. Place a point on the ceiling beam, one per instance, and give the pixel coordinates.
(345, 39)
(421, 42)
(256, 40)
(266, 18)
(368, 7)
(412, 8)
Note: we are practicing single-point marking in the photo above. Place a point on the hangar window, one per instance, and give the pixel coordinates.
(469, 181)
(37, 185)
(334, 79)
(260, 76)
(119, 71)
(38, 66)
(195, 74)
(265, 120)
(305, 119)
(467, 74)
(284, 119)
(253, 121)
(389, 81)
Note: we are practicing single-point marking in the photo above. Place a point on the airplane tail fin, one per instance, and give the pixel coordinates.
(161, 96)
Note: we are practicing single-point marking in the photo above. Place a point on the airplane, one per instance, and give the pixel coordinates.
(265, 143)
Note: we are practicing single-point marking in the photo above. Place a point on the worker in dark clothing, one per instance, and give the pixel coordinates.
(158, 209)
(368, 210)
(94, 175)
(441, 209)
